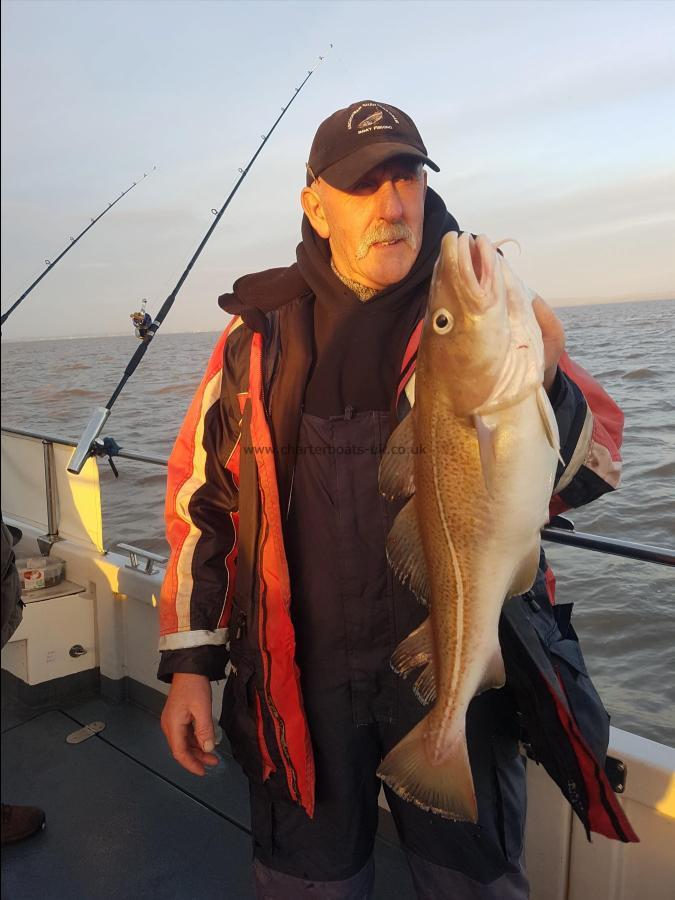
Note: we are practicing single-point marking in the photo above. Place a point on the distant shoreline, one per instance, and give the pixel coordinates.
(571, 304)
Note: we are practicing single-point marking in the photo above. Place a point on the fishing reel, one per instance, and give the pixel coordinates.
(141, 321)
(107, 447)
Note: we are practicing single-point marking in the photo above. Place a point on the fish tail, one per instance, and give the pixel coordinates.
(445, 788)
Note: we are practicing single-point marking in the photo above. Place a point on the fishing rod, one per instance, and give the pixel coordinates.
(73, 241)
(88, 443)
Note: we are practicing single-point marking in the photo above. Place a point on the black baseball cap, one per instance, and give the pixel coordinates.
(356, 139)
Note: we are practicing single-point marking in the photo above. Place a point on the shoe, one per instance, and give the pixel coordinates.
(19, 822)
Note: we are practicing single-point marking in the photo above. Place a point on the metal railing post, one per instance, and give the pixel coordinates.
(52, 495)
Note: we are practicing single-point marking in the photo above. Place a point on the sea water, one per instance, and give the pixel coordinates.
(624, 610)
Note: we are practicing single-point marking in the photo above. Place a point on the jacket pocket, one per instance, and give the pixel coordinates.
(511, 797)
(237, 721)
(559, 639)
(241, 716)
(569, 651)
(582, 697)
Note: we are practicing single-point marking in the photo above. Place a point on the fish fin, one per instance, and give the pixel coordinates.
(525, 574)
(487, 449)
(397, 467)
(445, 789)
(494, 675)
(425, 686)
(413, 651)
(548, 419)
(406, 554)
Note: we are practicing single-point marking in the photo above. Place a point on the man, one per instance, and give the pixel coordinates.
(18, 822)
(277, 533)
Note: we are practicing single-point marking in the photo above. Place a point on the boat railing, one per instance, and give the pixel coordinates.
(150, 458)
(559, 531)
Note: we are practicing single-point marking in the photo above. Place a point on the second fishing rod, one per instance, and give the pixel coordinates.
(73, 240)
(88, 441)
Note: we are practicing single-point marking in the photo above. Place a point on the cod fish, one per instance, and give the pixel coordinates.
(477, 456)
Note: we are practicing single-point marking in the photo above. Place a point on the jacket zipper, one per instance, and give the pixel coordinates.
(295, 457)
(284, 745)
(269, 366)
(270, 702)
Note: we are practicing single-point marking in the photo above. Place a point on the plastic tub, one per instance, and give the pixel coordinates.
(40, 572)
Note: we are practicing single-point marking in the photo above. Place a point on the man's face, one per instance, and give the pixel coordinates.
(374, 228)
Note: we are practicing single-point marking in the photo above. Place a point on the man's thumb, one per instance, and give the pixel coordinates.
(205, 736)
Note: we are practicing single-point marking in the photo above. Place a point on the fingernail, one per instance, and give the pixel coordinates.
(208, 746)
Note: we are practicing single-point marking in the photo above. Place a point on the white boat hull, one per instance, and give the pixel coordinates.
(112, 615)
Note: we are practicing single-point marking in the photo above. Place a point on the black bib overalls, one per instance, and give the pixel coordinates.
(349, 612)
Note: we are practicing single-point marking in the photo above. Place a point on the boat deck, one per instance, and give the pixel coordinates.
(124, 820)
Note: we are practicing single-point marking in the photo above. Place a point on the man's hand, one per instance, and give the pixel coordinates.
(553, 333)
(187, 722)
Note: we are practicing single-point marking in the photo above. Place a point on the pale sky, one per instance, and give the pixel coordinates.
(553, 123)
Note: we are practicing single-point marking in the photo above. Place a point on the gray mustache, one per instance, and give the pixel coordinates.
(381, 233)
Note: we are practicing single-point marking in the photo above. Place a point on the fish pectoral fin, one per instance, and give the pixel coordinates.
(549, 422)
(526, 572)
(487, 450)
(397, 470)
(413, 651)
(425, 686)
(494, 675)
(406, 553)
(445, 789)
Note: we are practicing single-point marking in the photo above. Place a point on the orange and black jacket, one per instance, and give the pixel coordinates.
(226, 595)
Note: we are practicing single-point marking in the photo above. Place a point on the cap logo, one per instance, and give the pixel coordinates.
(373, 122)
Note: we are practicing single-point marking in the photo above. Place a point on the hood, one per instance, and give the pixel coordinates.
(255, 295)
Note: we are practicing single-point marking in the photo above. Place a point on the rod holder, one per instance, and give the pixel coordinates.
(84, 449)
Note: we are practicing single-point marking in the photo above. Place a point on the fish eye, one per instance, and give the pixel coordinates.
(442, 321)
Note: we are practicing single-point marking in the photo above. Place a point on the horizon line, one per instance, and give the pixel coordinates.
(560, 304)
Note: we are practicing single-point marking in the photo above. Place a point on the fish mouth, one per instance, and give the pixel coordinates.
(467, 275)
(476, 264)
